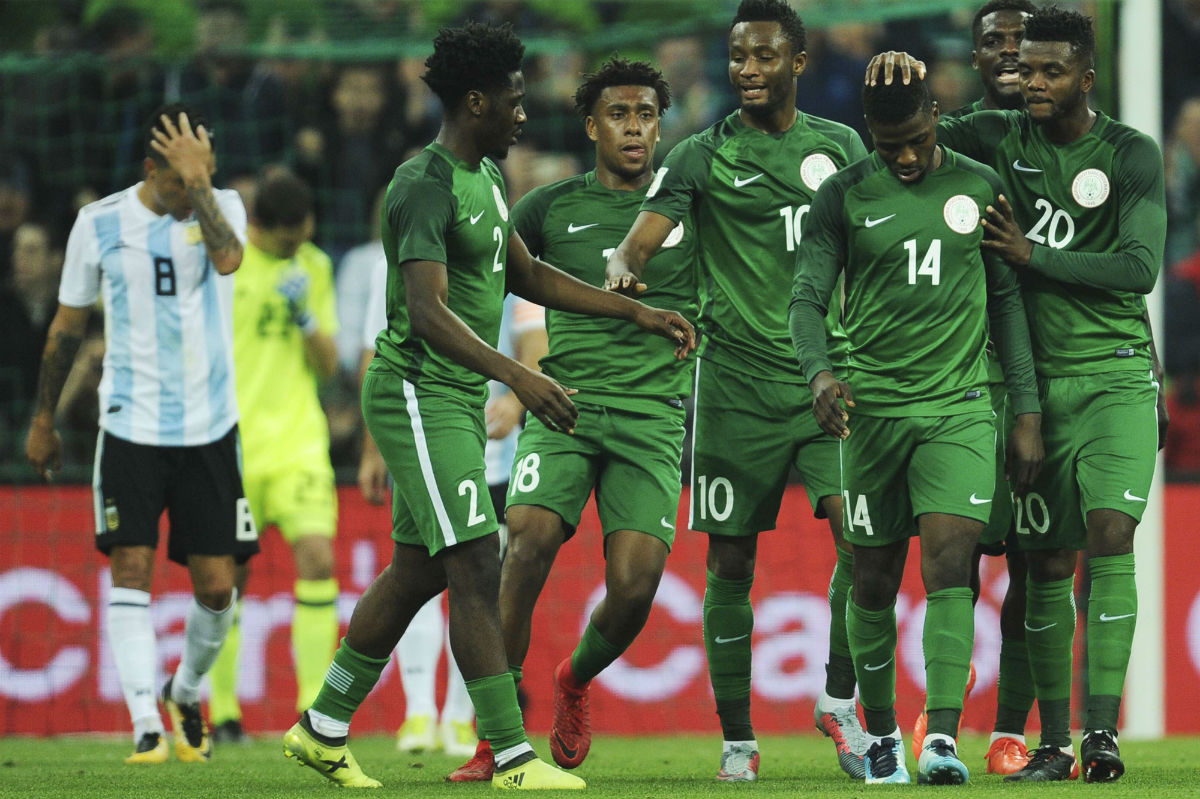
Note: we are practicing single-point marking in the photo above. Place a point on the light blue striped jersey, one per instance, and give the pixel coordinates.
(168, 319)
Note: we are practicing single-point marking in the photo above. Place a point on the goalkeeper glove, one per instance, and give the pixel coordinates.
(294, 288)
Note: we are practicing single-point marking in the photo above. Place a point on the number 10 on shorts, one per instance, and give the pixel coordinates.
(714, 499)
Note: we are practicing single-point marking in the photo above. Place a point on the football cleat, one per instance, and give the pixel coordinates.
(192, 744)
(417, 734)
(1047, 764)
(151, 749)
(939, 763)
(458, 738)
(1101, 757)
(570, 732)
(333, 762)
(536, 775)
(838, 720)
(479, 768)
(1006, 755)
(739, 764)
(884, 762)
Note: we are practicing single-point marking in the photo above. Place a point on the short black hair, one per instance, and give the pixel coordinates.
(281, 199)
(172, 112)
(621, 72)
(992, 7)
(774, 11)
(1054, 24)
(473, 56)
(893, 103)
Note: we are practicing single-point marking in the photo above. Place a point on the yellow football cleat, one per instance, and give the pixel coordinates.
(458, 738)
(334, 763)
(151, 749)
(536, 775)
(418, 734)
(192, 744)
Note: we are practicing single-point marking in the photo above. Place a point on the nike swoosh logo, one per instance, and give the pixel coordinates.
(475, 218)
(882, 665)
(1132, 498)
(977, 501)
(1106, 617)
(739, 182)
(720, 640)
(666, 523)
(1039, 629)
(873, 222)
(566, 750)
(574, 228)
(1017, 166)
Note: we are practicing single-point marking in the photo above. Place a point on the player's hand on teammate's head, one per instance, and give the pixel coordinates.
(189, 152)
(884, 65)
(1025, 453)
(831, 397)
(668, 324)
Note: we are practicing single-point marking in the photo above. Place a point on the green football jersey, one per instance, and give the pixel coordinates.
(995, 370)
(749, 193)
(918, 288)
(438, 208)
(1096, 212)
(576, 224)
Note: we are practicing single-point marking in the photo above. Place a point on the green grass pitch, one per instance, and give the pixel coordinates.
(802, 765)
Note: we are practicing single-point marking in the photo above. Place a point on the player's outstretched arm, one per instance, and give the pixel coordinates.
(625, 266)
(540, 282)
(426, 291)
(190, 154)
(43, 447)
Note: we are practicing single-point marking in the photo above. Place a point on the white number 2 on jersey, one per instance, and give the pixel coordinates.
(931, 264)
(498, 235)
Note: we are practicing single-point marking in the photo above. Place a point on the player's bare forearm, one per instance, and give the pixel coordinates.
(320, 352)
(546, 285)
(62, 345)
(623, 273)
(224, 249)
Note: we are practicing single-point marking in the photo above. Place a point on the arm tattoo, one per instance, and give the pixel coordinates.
(219, 238)
(57, 360)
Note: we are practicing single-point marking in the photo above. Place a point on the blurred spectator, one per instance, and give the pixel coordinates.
(354, 289)
(832, 82)
(27, 304)
(553, 124)
(351, 153)
(1181, 52)
(16, 202)
(953, 84)
(1182, 156)
(696, 101)
(244, 102)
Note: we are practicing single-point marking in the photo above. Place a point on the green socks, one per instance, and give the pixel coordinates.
(1014, 687)
(592, 655)
(1049, 632)
(728, 624)
(839, 671)
(497, 715)
(314, 635)
(349, 679)
(872, 637)
(1112, 614)
(947, 641)
(223, 702)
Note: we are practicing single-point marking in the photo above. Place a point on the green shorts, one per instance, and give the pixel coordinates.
(896, 469)
(432, 444)
(630, 459)
(746, 437)
(299, 500)
(1101, 438)
(996, 533)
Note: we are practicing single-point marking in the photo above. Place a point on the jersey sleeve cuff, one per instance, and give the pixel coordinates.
(815, 367)
(1024, 403)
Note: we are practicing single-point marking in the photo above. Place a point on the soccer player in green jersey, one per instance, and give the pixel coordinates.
(452, 255)
(284, 323)
(746, 184)
(629, 438)
(1088, 192)
(996, 31)
(903, 226)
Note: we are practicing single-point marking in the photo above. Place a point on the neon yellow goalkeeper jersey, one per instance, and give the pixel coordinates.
(282, 423)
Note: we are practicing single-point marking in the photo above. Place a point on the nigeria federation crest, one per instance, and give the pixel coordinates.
(961, 214)
(815, 168)
(1090, 188)
(674, 237)
(501, 206)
